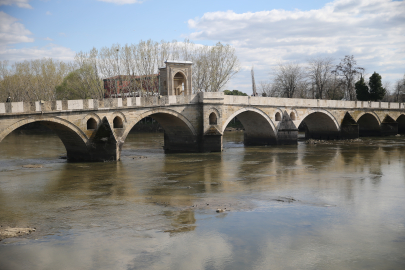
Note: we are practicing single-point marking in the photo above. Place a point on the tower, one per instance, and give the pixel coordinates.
(175, 78)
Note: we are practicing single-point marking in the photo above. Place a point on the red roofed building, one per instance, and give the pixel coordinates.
(130, 85)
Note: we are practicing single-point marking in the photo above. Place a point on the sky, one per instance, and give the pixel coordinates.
(263, 33)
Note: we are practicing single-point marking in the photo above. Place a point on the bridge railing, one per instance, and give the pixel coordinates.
(213, 97)
(94, 104)
(311, 103)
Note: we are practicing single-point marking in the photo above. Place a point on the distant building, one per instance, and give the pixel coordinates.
(131, 86)
(174, 79)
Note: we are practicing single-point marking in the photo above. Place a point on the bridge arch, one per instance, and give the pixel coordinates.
(320, 124)
(371, 113)
(369, 124)
(180, 135)
(259, 129)
(72, 137)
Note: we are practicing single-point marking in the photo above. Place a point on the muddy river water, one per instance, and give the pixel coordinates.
(307, 206)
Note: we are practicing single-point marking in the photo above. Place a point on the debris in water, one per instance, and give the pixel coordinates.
(14, 232)
(285, 199)
(32, 166)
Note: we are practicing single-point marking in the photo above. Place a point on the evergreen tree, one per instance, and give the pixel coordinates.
(362, 90)
(234, 93)
(377, 92)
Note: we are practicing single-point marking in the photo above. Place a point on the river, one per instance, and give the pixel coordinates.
(335, 205)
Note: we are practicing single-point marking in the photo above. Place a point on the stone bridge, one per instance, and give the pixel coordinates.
(95, 130)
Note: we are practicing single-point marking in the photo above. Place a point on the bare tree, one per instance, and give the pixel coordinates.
(319, 72)
(399, 90)
(349, 71)
(32, 80)
(131, 68)
(334, 88)
(288, 78)
(223, 65)
(266, 89)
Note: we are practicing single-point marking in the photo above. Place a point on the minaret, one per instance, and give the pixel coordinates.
(253, 82)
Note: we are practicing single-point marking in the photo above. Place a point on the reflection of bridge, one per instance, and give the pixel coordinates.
(95, 130)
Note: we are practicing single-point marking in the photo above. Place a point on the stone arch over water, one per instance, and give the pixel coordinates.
(259, 129)
(179, 133)
(320, 125)
(73, 138)
(369, 125)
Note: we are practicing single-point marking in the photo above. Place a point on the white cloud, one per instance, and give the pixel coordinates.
(49, 51)
(372, 30)
(122, 2)
(19, 3)
(12, 31)
(48, 13)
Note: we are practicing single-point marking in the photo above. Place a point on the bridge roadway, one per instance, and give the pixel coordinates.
(95, 130)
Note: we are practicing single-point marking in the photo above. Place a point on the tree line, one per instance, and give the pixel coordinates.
(49, 79)
(213, 67)
(320, 78)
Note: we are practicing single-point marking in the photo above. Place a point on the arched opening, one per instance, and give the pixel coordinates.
(257, 128)
(91, 124)
(401, 124)
(43, 139)
(117, 122)
(292, 116)
(320, 126)
(179, 82)
(213, 118)
(368, 126)
(166, 129)
(278, 116)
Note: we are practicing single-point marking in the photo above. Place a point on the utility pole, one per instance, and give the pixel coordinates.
(253, 82)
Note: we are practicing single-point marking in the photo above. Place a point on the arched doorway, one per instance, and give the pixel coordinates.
(213, 119)
(179, 83)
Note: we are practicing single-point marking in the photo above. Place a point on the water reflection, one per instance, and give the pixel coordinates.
(157, 211)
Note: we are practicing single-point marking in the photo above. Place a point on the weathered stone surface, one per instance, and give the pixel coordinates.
(194, 123)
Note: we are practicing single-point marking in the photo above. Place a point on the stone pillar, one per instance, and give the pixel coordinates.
(103, 146)
(349, 129)
(212, 141)
(180, 144)
(287, 131)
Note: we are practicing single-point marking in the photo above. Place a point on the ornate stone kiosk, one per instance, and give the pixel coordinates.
(175, 78)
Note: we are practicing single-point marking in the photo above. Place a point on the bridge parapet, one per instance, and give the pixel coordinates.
(309, 103)
(94, 104)
(207, 97)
